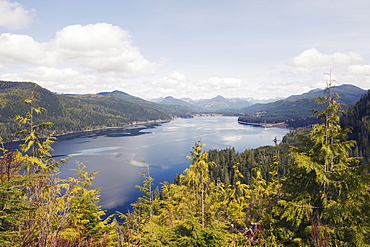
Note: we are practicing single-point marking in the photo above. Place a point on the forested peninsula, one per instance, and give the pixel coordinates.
(312, 189)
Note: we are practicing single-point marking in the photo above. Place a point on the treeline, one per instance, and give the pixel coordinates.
(296, 111)
(357, 117)
(291, 122)
(69, 113)
(306, 191)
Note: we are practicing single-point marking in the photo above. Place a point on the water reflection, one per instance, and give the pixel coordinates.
(164, 148)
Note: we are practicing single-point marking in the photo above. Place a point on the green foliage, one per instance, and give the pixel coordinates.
(38, 209)
(357, 117)
(68, 113)
(324, 181)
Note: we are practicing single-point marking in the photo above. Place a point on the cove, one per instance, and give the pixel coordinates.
(120, 157)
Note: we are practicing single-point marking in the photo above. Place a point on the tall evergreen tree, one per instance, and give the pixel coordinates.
(326, 190)
(37, 208)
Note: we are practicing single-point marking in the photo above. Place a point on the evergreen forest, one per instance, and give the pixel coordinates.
(312, 189)
(70, 113)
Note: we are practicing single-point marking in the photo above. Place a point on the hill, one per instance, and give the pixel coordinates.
(298, 108)
(217, 104)
(70, 113)
(172, 108)
(357, 117)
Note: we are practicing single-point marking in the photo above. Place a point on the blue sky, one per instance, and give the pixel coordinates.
(195, 49)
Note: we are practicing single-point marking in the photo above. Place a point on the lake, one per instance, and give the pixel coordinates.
(119, 157)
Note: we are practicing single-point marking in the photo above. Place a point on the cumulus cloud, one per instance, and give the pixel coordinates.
(86, 56)
(171, 85)
(175, 80)
(14, 16)
(22, 49)
(63, 80)
(312, 59)
(103, 48)
(217, 83)
(359, 69)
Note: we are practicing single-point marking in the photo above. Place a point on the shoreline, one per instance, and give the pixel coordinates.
(125, 130)
(267, 125)
(129, 129)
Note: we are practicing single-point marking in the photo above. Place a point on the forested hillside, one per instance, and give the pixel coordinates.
(173, 109)
(296, 111)
(358, 119)
(70, 113)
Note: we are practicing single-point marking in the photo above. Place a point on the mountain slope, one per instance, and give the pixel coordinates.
(300, 106)
(69, 113)
(215, 104)
(357, 117)
(168, 108)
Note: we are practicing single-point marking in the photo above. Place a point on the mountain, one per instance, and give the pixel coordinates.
(169, 100)
(295, 106)
(173, 108)
(298, 106)
(220, 103)
(350, 93)
(215, 104)
(127, 97)
(70, 113)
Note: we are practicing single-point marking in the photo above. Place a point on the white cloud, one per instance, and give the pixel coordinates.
(172, 85)
(217, 83)
(22, 49)
(312, 59)
(80, 59)
(175, 81)
(359, 69)
(103, 48)
(100, 48)
(14, 16)
(62, 80)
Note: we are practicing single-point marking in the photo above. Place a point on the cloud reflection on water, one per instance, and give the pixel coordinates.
(119, 159)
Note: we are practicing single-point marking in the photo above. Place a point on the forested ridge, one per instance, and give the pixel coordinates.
(296, 110)
(70, 113)
(305, 191)
(357, 117)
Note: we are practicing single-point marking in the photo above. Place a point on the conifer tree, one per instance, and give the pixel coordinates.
(38, 208)
(326, 190)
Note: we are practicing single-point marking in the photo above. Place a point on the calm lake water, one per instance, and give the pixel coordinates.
(119, 158)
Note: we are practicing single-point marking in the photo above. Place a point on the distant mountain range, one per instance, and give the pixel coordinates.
(217, 104)
(71, 113)
(295, 106)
